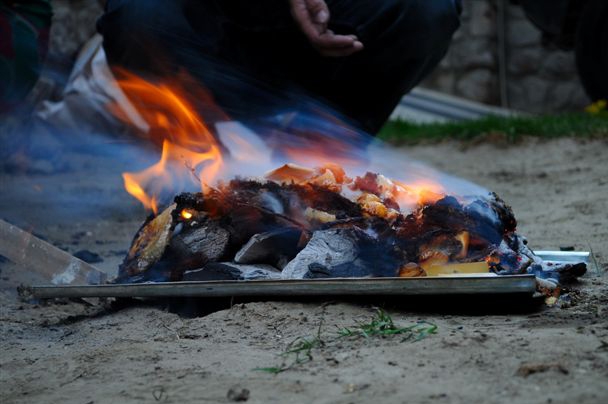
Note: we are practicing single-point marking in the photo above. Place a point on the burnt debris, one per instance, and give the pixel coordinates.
(300, 225)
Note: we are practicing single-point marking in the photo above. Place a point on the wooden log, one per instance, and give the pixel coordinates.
(269, 247)
(149, 245)
(34, 254)
(194, 247)
(329, 253)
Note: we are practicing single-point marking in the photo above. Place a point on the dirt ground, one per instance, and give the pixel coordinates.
(73, 353)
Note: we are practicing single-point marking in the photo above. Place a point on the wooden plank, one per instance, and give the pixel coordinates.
(452, 285)
(34, 254)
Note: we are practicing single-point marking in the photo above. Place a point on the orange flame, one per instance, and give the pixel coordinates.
(418, 193)
(191, 155)
(189, 151)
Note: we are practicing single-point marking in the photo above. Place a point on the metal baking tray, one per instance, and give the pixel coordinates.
(564, 256)
(445, 285)
(469, 284)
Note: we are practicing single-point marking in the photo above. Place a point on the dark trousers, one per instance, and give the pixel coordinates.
(254, 60)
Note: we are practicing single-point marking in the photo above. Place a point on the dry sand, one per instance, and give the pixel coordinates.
(71, 353)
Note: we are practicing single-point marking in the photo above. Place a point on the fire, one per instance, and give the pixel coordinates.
(192, 156)
(418, 193)
(190, 153)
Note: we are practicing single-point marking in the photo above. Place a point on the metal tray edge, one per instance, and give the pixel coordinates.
(320, 287)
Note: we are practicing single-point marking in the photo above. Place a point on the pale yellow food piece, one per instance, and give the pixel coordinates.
(411, 270)
(314, 215)
(372, 205)
(449, 269)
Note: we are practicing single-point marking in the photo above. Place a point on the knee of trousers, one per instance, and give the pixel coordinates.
(140, 32)
(430, 23)
(439, 19)
(134, 18)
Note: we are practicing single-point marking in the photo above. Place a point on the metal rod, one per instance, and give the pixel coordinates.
(452, 285)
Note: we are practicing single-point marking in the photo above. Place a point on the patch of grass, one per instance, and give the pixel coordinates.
(512, 128)
(382, 325)
(300, 350)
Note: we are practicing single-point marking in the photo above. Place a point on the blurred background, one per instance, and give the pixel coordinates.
(500, 57)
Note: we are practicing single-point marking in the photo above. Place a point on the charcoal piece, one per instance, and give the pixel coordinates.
(294, 198)
(187, 200)
(245, 221)
(485, 222)
(328, 249)
(513, 256)
(283, 261)
(505, 259)
(325, 200)
(504, 213)
(196, 246)
(445, 244)
(228, 271)
(161, 271)
(269, 247)
(562, 273)
(444, 217)
(354, 269)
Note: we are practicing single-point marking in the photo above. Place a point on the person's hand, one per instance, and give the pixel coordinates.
(312, 17)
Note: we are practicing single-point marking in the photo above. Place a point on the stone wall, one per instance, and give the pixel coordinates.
(536, 79)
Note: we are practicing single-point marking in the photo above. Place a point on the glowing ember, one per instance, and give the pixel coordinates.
(186, 214)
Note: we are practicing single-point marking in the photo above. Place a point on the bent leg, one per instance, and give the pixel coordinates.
(404, 40)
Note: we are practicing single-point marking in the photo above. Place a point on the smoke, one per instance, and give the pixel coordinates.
(69, 156)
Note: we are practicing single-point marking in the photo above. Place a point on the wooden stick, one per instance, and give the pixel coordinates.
(34, 254)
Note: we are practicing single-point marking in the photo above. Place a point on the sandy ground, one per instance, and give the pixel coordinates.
(73, 353)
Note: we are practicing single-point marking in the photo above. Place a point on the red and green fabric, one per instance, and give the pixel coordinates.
(24, 35)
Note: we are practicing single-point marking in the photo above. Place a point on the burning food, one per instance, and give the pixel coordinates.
(302, 223)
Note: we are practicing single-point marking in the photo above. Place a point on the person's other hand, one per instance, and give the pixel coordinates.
(312, 17)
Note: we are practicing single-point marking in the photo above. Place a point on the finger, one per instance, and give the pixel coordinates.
(318, 10)
(340, 52)
(303, 18)
(346, 51)
(336, 53)
(331, 40)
